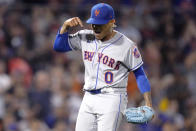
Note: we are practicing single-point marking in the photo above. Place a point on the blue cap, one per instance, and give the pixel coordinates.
(101, 14)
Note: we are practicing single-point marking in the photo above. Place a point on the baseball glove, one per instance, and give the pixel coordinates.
(139, 115)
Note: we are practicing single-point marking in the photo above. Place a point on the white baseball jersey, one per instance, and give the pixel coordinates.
(102, 60)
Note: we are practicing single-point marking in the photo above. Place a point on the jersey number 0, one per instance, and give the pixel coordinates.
(108, 77)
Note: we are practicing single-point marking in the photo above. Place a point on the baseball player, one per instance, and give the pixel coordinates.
(108, 57)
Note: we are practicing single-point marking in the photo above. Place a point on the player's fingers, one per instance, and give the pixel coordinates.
(71, 23)
(68, 22)
(79, 21)
(75, 21)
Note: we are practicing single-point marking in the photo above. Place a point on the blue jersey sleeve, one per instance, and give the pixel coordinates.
(61, 43)
(142, 80)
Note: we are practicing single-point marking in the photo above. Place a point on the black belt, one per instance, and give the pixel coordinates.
(98, 91)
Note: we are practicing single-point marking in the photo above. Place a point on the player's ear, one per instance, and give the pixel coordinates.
(112, 21)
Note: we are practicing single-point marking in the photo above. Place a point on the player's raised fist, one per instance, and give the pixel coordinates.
(71, 23)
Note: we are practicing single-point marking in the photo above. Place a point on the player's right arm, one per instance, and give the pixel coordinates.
(63, 39)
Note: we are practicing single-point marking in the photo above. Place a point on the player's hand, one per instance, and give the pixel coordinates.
(75, 21)
(142, 114)
(153, 110)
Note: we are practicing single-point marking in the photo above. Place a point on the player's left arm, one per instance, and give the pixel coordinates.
(142, 114)
(143, 85)
(135, 64)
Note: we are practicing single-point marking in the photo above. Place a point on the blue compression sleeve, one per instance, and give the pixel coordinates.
(142, 80)
(61, 43)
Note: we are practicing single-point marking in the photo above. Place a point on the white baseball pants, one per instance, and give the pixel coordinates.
(101, 112)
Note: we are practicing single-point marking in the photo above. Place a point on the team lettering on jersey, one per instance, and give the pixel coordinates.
(103, 59)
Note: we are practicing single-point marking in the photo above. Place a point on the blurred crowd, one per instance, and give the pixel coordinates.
(41, 90)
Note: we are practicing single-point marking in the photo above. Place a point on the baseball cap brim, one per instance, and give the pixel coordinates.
(97, 21)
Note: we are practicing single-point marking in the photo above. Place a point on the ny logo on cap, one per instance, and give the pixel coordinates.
(97, 12)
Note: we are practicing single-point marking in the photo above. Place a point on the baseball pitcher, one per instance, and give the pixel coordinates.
(108, 56)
